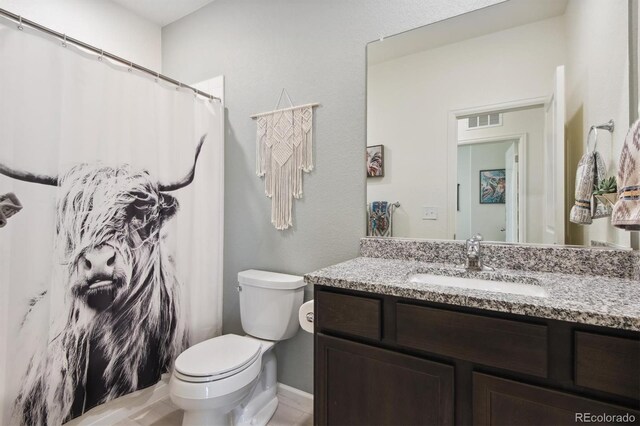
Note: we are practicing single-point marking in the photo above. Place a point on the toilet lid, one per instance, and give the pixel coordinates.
(222, 355)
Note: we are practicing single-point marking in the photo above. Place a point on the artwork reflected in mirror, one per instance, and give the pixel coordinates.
(492, 186)
(510, 90)
(375, 161)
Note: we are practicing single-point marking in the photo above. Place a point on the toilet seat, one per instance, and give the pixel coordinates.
(217, 358)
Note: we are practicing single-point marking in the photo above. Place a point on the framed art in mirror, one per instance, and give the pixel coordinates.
(375, 161)
(492, 186)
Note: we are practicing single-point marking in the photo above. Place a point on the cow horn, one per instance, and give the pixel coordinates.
(185, 181)
(28, 177)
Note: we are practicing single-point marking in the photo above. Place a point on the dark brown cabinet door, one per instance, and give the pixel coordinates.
(358, 384)
(607, 363)
(499, 401)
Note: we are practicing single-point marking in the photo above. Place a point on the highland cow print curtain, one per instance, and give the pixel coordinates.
(113, 265)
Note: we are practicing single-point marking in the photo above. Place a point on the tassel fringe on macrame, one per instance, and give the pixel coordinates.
(284, 148)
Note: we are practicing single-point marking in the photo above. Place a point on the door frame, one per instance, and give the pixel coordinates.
(452, 151)
(521, 140)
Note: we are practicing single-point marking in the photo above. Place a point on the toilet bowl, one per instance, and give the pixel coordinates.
(231, 379)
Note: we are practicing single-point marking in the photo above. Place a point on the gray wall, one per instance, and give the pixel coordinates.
(316, 50)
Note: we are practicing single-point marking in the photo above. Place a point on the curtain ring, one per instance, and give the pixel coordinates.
(157, 77)
(595, 138)
(64, 40)
(20, 27)
(130, 67)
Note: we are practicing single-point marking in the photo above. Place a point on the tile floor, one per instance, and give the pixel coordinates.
(164, 413)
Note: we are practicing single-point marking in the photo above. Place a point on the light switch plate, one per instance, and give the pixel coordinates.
(429, 213)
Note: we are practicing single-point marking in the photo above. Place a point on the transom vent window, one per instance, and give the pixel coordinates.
(484, 120)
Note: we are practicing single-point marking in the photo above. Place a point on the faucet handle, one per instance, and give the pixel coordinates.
(477, 237)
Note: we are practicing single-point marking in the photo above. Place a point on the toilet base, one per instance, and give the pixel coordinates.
(205, 417)
(263, 402)
(262, 417)
(216, 411)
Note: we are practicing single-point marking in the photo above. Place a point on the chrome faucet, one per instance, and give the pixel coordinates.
(474, 252)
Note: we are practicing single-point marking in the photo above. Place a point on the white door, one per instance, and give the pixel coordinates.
(511, 194)
(553, 198)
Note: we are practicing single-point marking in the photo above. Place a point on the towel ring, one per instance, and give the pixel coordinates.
(595, 138)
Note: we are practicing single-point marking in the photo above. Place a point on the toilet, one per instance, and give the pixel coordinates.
(231, 379)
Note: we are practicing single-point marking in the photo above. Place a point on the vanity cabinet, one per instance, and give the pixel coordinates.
(497, 401)
(610, 364)
(365, 385)
(386, 360)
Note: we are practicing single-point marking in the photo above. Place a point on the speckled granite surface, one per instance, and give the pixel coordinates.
(576, 292)
(564, 259)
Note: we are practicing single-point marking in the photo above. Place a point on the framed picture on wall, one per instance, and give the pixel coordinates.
(493, 184)
(375, 161)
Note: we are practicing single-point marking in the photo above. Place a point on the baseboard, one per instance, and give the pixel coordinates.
(122, 408)
(296, 398)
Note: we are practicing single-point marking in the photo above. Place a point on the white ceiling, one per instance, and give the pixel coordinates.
(474, 24)
(162, 12)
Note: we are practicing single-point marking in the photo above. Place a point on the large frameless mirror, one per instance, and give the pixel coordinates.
(476, 124)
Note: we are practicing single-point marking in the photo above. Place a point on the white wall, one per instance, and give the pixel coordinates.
(409, 99)
(531, 123)
(597, 76)
(100, 23)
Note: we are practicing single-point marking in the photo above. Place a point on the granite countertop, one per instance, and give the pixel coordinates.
(587, 299)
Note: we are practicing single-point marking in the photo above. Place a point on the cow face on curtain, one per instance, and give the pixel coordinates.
(121, 326)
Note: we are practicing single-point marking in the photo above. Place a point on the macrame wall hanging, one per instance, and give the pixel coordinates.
(283, 151)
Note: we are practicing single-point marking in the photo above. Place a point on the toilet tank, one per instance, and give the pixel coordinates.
(269, 303)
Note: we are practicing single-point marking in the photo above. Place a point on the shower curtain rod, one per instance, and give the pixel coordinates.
(20, 21)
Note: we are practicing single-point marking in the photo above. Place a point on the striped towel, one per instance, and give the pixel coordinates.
(379, 219)
(591, 170)
(626, 212)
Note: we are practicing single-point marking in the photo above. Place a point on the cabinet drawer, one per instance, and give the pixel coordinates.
(354, 315)
(499, 401)
(495, 342)
(606, 363)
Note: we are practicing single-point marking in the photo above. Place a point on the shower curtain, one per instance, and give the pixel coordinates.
(113, 266)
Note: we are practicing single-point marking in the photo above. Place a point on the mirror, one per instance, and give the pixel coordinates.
(477, 123)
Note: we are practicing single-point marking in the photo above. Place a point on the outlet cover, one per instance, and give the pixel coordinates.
(429, 213)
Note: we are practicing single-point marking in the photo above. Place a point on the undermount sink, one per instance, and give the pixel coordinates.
(481, 284)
